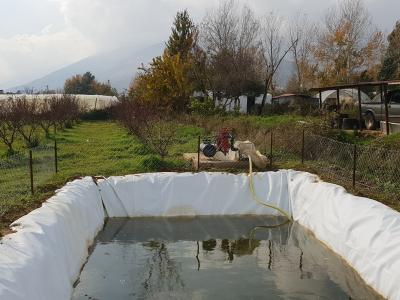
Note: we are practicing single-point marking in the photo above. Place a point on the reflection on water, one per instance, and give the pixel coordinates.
(214, 258)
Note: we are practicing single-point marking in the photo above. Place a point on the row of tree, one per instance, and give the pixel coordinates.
(23, 117)
(233, 52)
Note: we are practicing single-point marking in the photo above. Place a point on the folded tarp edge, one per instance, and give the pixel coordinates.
(193, 194)
(43, 258)
(364, 232)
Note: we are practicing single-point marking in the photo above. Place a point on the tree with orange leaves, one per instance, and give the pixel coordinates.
(348, 47)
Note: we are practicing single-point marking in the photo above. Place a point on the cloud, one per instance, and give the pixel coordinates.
(24, 57)
(88, 27)
(79, 28)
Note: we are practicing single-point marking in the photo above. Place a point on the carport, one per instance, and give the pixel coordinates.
(382, 85)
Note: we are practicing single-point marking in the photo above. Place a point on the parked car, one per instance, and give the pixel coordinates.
(374, 111)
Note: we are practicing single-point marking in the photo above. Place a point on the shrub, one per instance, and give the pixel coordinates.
(205, 107)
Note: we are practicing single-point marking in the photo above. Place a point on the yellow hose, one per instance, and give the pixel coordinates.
(258, 199)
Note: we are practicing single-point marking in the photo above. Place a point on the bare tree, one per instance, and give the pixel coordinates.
(64, 110)
(229, 36)
(159, 135)
(8, 124)
(274, 48)
(302, 34)
(26, 114)
(46, 118)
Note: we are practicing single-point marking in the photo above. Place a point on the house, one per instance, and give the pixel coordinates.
(244, 104)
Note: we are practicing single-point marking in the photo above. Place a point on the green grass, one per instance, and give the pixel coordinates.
(106, 148)
(87, 149)
(391, 141)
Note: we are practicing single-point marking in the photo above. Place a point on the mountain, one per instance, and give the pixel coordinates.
(118, 66)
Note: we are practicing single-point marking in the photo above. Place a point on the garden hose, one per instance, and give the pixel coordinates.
(115, 193)
(258, 199)
(265, 227)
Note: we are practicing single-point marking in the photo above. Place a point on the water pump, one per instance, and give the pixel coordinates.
(224, 142)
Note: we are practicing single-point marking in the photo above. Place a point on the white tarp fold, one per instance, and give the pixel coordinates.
(364, 232)
(44, 257)
(189, 194)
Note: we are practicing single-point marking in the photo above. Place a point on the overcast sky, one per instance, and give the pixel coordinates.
(40, 36)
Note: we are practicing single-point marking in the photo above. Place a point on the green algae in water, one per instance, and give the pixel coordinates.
(214, 258)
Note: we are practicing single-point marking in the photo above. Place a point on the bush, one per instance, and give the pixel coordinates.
(97, 115)
(205, 107)
(159, 135)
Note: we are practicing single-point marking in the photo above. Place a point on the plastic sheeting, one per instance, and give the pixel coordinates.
(364, 232)
(43, 258)
(190, 194)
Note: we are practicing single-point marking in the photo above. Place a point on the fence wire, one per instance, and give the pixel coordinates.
(16, 184)
(14, 180)
(371, 168)
(358, 166)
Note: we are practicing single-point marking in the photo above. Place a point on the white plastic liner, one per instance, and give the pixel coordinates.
(190, 194)
(364, 232)
(43, 258)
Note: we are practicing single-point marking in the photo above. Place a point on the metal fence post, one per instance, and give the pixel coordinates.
(302, 148)
(31, 170)
(270, 149)
(354, 165)
(198, 154)
(55, 155)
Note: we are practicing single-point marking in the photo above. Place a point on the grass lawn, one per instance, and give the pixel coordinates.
(106, 148)
(87, 149)
(95, 148)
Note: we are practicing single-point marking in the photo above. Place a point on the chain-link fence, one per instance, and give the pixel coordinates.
(22, 173)
(366, 168)
(372, 170)
(358, 166)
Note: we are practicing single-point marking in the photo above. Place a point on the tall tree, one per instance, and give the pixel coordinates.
(229, 37)
(348, 44)
(391, 63)
(274, 48)
(183, 37)
(165, 85)
(302, 35)
(168, 82)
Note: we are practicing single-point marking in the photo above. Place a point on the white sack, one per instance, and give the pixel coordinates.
(43, 258)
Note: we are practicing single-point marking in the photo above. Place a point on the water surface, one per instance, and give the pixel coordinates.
(214, 258)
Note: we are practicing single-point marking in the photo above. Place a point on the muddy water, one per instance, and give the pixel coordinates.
(214, 258)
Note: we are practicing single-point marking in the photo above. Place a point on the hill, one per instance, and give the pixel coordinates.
(118, 66)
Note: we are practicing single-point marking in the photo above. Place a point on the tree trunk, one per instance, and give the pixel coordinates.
(267, 83)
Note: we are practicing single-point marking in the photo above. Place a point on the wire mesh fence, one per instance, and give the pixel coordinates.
(22, 173)
(357, 166)
(14, 180)
(363, 167)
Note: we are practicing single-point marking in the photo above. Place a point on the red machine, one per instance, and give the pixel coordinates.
(225, 140)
